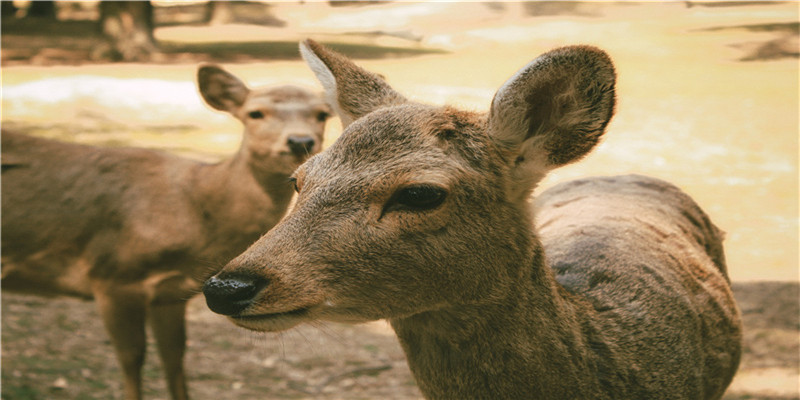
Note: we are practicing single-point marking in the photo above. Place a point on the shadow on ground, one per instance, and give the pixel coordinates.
(46, 42)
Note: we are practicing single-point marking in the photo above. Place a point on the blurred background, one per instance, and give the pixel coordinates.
(707, 99)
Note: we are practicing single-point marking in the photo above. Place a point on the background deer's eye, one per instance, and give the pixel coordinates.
(322, 116)
(255, 114)
(416, 198)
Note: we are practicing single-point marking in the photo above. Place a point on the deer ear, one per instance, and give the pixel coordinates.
(352, 91)
(220, 89)
(553, 111)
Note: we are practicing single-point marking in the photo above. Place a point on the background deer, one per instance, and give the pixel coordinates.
(140, 230)
(421, 215)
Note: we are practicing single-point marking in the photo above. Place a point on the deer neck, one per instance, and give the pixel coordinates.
(253, 177)
(238, 203)
(531, 338)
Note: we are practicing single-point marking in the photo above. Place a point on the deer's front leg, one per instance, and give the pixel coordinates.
(123, 311)
(169, 327)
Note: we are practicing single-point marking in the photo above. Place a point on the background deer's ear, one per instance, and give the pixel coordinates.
(220, 89)
(553, 112)
(352, 91)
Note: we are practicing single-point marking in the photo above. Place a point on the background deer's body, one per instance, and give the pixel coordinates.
(139, 230)
(421, 215)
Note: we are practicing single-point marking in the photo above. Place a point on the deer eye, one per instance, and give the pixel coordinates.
(255, 114)
(322, 116)
(416, 198)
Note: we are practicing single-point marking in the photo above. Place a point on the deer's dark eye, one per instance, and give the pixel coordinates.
(255, 114)
(416, 198)
(322, 116)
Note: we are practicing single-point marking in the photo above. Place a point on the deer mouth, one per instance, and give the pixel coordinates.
(272, 322)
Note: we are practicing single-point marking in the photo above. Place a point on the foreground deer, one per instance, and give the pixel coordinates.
(420, 214)
(139, 230)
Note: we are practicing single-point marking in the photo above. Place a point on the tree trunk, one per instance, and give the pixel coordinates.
(219, 12)
(42, 9)
(8, 10)
(128, 27)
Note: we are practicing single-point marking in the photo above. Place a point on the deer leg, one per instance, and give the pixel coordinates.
(169, 327)
(123, 313)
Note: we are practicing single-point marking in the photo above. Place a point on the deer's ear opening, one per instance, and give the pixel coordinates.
(221, 89)
(553, 111)
(350, 90)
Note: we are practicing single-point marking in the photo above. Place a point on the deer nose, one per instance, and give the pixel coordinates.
(300, 145)
(231, 295)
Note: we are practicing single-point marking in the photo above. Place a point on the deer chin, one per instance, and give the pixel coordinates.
(273, 322)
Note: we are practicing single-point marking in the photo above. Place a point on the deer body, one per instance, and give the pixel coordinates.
(420, 215)
(168, 215)
(611, 302)
(139, 230)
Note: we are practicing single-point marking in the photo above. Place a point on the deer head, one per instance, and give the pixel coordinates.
(416, 207)
(283, 125)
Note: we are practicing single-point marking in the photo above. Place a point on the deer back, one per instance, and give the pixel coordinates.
(650, 264)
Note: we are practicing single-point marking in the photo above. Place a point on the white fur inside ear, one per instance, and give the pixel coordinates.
(328, 81)
(319, 68)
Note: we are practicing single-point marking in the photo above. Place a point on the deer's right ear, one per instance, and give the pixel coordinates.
(553, 112)
(220, 89)
(352, 91)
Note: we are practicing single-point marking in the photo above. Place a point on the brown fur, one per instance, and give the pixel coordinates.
(622, 295)
(140, 230)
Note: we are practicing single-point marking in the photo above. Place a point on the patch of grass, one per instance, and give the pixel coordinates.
(12, 391)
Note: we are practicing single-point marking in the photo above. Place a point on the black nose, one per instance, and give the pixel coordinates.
(300, 145)
(231, 295)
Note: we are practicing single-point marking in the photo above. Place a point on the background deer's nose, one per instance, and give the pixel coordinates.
(300, 145)
(231, 295)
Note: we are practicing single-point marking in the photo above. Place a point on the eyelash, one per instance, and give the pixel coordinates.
(416, 198)
(293, 181)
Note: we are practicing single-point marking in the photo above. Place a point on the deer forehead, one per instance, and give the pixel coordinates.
(372, 177)
(287, 98)
(398, 146)
(409, 131)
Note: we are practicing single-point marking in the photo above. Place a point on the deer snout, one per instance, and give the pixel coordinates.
(300, 145)
(232, 294)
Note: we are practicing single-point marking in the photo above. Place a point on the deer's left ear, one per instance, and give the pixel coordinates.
(351, 90)
(553, 111)
(221, 89)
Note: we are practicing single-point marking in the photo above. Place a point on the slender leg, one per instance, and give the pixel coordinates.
(123, 313)
(169, 327)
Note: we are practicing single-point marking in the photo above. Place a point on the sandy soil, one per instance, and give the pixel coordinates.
(57, 349)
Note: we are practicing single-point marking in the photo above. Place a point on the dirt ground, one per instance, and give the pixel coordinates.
(667, 55)
(57, 349)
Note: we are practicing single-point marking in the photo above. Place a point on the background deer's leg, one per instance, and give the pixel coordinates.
(123, 313)
(169, 327)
